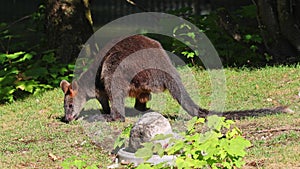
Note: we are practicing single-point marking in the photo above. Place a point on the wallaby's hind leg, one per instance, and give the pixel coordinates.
(141, 100)
(140, 106)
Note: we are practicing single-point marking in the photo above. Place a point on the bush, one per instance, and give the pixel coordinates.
(247, 50)
(196, 149)
(29, 71)
(24, 73)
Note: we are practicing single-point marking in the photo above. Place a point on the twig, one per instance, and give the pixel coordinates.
(135, 4)
(276, 130)
(19, 20)
(8, 26)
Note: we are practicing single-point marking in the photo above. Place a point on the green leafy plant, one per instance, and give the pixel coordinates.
(25, 67)
(219, 146)
(22, 73)
(76, 162)
(121, 139)
(187, 35)
(248, 50)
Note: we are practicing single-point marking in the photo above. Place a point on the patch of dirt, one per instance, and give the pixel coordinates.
(254, 164)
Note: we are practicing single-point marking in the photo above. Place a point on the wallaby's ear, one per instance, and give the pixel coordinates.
(74, 86)
(64, 85)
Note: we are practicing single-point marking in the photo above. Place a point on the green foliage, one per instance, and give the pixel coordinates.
(149, 148)
(29, 71)
(23, 72)
(248, 11)
(246, 51)
(121, 139)
(187, 36)
(211, 148)
(79, 163)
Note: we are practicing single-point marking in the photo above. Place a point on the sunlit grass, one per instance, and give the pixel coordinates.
(31, 130)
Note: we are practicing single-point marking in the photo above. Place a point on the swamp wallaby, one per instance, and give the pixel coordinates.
(136, 67)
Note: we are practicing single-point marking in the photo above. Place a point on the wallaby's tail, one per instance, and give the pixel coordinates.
(179, 93)
(177, 90)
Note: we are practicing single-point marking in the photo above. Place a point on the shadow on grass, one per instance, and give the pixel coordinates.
(94, 115)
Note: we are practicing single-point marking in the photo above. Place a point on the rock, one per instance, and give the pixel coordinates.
(149, 125)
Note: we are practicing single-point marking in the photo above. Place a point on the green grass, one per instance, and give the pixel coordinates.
(32, 136)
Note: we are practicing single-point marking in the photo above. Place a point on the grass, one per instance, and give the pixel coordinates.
(32, 135)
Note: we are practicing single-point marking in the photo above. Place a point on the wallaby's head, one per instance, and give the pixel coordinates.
(73, 101)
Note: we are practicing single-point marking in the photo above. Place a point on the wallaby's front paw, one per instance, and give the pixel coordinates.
(117, 117)
(111, 119)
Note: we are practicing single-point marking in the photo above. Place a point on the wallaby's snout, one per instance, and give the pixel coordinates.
(69, 117)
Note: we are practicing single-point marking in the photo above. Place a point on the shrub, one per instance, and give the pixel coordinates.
(29, 71)
(209, 149)
(24, 73)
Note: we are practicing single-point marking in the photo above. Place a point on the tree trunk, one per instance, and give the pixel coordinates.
(287, 22)
(68, 26)
(280, 27)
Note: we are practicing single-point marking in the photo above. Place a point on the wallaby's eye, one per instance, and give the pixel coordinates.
(70, 106)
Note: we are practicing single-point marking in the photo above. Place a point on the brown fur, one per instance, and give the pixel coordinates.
(136, 67)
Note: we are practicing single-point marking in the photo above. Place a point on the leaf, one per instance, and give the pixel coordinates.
(191, 34)
(3, 58)
(14, 55)
(27, 85)
(215, 122)
(123, 136)
(9, 72)
(36, 72)
(239, 163)
(6, 93)
(180, 163)
(193, 138)
(191, 55)
(49, 58)
(27, 56)
(234, 132)
(228, 123)
(162, 165)
(158, 149)
(63, 70)
(237, 146)
(126, 131)
(145, 152)
(52, 157)
(191, 124)
(161, 137)
(199, 163)
(71, 66)
(248, 37)
(175, 148)
(185, 26)
(119, 142)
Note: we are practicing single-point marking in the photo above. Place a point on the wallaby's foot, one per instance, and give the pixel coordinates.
(115, 116)
(111, 119)
(141, 107)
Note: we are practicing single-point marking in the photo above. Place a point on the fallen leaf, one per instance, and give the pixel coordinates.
(52, 157)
